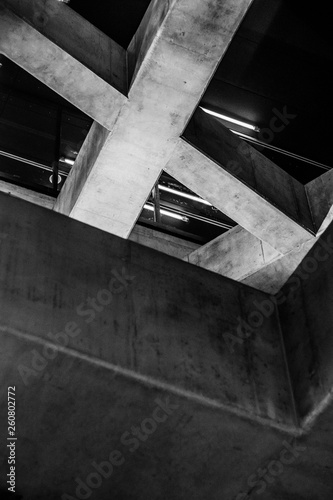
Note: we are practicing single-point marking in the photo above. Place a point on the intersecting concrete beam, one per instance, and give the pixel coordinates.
(66, 53)
(239, 255)
(242, 183)
(171, 60)
(273, 275)
(234, 254)
(276, 273)
(165, 243)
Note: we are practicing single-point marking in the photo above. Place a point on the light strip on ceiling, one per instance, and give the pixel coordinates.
(231, 120)
(166, 212)
(183, 195)
(66, 160)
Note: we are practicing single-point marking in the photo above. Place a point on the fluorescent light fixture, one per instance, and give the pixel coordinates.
(166, 212)
(183, 195)
(66, 160)
(231, 120)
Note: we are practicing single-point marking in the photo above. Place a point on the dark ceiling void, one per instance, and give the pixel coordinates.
(39, 131)
(118, 19)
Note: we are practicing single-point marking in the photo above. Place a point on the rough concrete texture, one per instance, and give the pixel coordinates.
(44, 43)
(91, 47)
(167, 325)
(207, 133)
(171, 60)
(273, 274)
(240, 255)
(171, 245)
(307, 318)
(240, 182)
(234, 254)
(160, 339)
(40, 199)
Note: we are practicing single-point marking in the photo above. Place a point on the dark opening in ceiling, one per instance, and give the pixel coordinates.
(118, 19)
(37, 128)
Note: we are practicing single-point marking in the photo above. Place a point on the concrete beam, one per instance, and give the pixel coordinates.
(273, 275)
(171, 60)
(91, 155)
(40, 199)
(234, 254)
(165, 243)
(239, 255)
(81, 64)
(242, 183)
(320, 196)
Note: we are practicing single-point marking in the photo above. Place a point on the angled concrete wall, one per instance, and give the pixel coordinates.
(307, 317)
(173, 377)
(138, 310)
(98, 332)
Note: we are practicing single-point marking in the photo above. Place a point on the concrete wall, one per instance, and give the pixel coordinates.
(167, 320)
(94, 328)
(114, 346)
(306, 317)
(171, 245)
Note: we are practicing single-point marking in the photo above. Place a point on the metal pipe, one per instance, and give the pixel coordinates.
(30, 162)
(282, 151)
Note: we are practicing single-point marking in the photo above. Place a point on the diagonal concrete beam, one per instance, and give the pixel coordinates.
(242, 183)
(274, 275)
(171, 60)
(234, 254)
(82, 65)
(239, 255)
